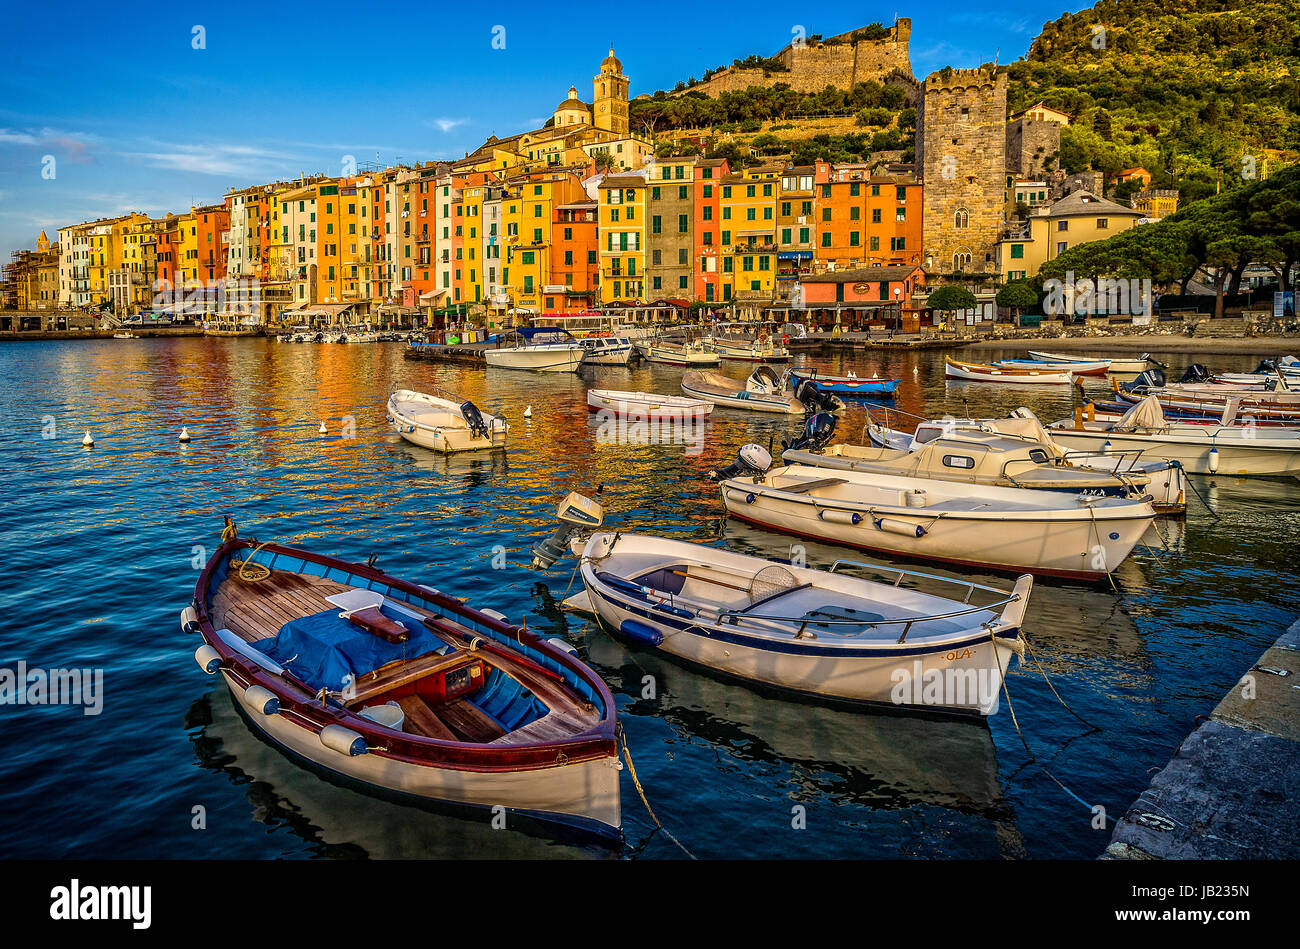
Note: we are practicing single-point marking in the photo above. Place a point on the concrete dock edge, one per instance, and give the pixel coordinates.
(1232, 790)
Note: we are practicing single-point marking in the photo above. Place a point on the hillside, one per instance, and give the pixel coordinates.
(1183, 90)
(1196, 93)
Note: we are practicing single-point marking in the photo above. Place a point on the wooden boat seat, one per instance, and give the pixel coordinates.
(422, 720)
(470, 721)
(377, 624)
(813, 485)
(398, 674)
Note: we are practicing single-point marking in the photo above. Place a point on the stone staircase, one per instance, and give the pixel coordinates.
(1227, 328)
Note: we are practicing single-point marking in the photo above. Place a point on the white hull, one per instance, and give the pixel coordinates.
(1238, 454)
(1116, 365)
(674, 356)
(548, 358)
(697, 385)
(646, 405)
(746, 353)
(587, 790)
(973, 651)
(437, 424)
(1037, 531)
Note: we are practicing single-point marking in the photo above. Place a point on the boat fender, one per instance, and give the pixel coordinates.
(209, 659)
(840, 517)
(1214, 460)
(189, 620)
(894, 526)
(750, 497)
(262, 699)
(641, 632)
(343, 740)
(562, 645)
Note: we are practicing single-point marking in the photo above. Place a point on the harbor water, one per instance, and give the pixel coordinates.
(99, 550)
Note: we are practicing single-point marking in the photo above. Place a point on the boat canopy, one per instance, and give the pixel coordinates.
(1146, 414)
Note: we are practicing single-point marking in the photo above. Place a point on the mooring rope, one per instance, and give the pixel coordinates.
(1011, 707)
(622, 736)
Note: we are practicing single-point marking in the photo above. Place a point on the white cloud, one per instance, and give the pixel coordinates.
(445, 125)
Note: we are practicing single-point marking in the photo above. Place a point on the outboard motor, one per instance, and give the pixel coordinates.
(1194, 373)
(815, 400)
(575, 513)
(751, 461)
(1266, 367)
(1147, 379)
(474, 419)
(817, 431)
(766, 378)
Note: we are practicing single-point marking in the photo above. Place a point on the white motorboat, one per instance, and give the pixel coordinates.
(607, 350)
(1081, 536)
(1165, 481)
(678, 347)
(1121, 364)
(444, 422)
(979, 372)
(1244, 450)
(819, 633)
(972, 457)
(125, 335)
(646, 405)
(764, 391)
(748, 342)
(538, 349)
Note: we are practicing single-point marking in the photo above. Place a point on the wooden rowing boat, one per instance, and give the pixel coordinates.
(979, 372)
(403, 691)
(646, 405)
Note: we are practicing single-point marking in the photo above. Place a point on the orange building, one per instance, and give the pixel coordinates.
(573, 285)
(865, 221)
(707, 256)
(211, 225)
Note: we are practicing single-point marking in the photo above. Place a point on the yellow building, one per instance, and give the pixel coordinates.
(1078, 218)
(749, 227)
(1155, 203)
(527, 218)
(621, 224)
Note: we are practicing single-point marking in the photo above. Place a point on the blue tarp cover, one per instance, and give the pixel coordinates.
(323, 650)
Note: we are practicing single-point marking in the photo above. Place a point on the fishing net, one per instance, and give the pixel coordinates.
(771, 580)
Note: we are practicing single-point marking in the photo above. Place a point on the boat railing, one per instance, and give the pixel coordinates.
(907, 622)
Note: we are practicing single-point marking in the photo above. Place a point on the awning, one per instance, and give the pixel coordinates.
(330, 310)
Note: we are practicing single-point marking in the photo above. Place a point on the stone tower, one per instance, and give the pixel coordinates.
(961, 156)
(609, 100)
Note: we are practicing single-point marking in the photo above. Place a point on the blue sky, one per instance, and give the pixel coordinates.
(136, 118)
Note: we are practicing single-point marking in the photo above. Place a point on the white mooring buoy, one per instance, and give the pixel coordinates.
(528, 412)
(185, 434)
(88, 441)
(322, 428)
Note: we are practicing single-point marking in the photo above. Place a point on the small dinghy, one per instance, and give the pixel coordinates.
(444, 422)
(764, 391)
(1097, 367)
(646, 405)
(1121, 364)
(1080, 536)
(404, 691)
(871, 388)
(979, 372)
(819, 633)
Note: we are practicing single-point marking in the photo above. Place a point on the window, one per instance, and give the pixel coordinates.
(803, 235)
(683, 224)
(708, 213)
(785, 235)
(875, 215)
(749, 191)
(854, 240)
(855, 213)
(1102, 223)
(826, 238)
(708, 190)
(961, 218)
(1017, 251)
(826, 214)
(854, 190)
(681, 193)
(874, 241)
(1062, 225)
(654, 194)
(1062, 246)
(656, 224)
(683, 283)
(958, 461)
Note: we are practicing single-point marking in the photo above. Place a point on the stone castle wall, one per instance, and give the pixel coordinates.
(811, 67)
(961, 156)
(1030, 143)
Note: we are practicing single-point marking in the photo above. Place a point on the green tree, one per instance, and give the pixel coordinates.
(1017, 296)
